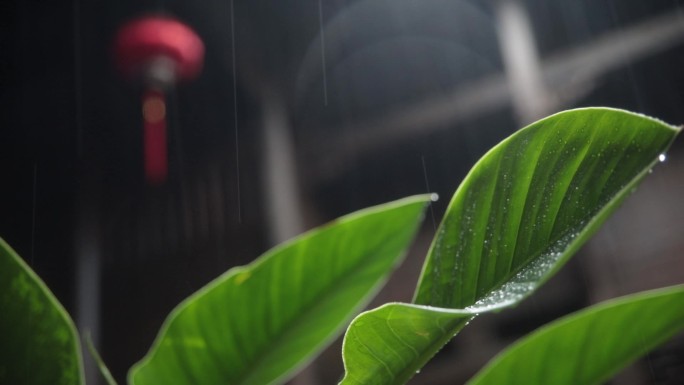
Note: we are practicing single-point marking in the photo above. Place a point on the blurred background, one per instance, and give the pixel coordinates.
(305, 111)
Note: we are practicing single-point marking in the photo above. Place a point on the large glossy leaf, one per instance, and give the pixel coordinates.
(520, 213)
(533, 198)
(38, 341)
(590, 346)
(259, 323)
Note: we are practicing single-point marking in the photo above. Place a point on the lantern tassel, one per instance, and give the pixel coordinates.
(155, 149)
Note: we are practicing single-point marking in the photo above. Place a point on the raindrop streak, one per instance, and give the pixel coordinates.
(28, 367)
(78, 82)
(433, 197)
(235, 110)
(33, 211)
(325, 75)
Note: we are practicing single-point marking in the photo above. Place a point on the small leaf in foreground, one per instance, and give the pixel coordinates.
(259, 323)
(590, 346)
(38, 341)
(388, 344)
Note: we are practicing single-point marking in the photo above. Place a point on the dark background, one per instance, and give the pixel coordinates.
(364, 128)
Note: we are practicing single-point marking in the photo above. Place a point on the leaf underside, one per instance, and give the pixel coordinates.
(38, 341)
(523, 210)
(258, 324)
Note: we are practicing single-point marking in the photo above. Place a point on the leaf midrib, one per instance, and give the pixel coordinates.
(307, 311)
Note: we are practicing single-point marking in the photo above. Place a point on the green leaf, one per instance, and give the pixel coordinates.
(38, 341)
(389, 344)
(590, 346)
(533, 200)
(258, 324)
(523, 210)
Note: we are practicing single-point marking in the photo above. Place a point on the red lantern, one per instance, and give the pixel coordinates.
(161, 51)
